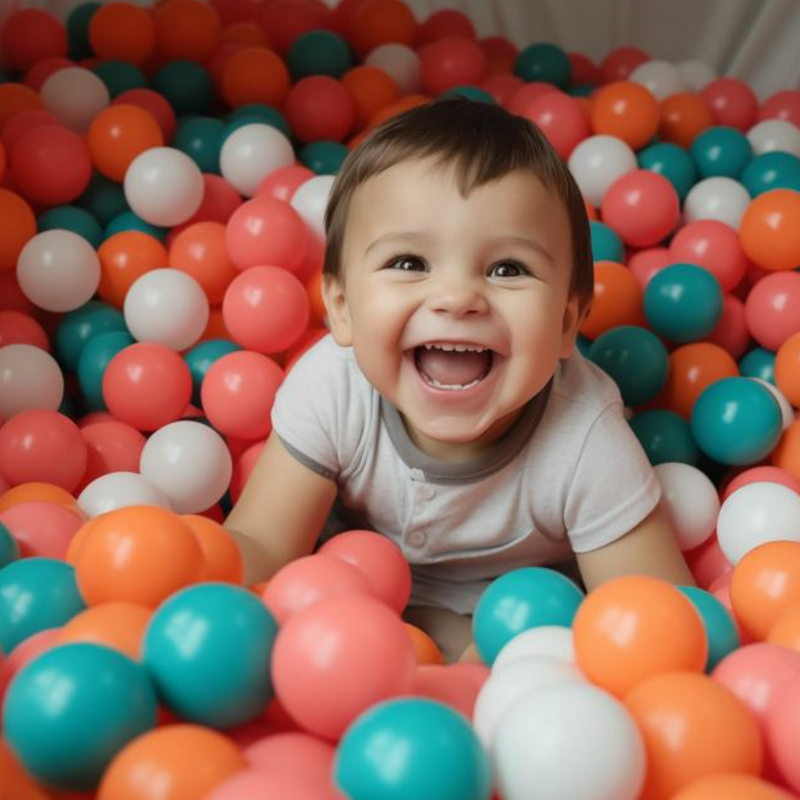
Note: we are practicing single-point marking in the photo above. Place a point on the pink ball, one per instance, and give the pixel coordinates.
(713, 245)
(320, 107)
(645, 263)
(238, 392)
(732, 102)
(642, 207)
(266, 231)
(284, 182)
(19, 328)
(41, 528)
(298, 752)
(309, 580)
(266, 309)
(338, 658)
(45, 446)
(783, 732)
(243, 467)
(731, 332)
(763, 474)
(520, 99)
(451, 61)
(147, 385)
(449, 685)
(502, 86)
(26, 651)
(220, 200)
(379, 559)
(560, 118)
(113, 447)
(772, 309)
(707, 562)
(783, 105)
(256, 784)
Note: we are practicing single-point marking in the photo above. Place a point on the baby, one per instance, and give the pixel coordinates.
(449, 408)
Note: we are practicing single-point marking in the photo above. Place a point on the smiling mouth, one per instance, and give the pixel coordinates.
(458, 380)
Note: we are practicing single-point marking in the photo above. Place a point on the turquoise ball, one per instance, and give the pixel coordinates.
(201, 139)
(120, 76)
(665, 437)
(469, 92)
(606, 243)
(319, 52)
(774, 170)
(79, 326)
(200, 358)
(758, 363)
(104, 199)
(72, 218)
(92, 363)
(673, 162)
(324, 157)
(544, 62)
(187, 86)
(129, 221)
(256, 113)
(9, 549)
(721, 151)
(720, 628)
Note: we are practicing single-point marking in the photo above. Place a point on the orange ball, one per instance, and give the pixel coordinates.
(124, 257)
(221, 555)
(591, 211)
(120, 626)
(683, 116)
(117, 135)
(255, 75)
(36, 491)
(215, 327)
(122, 32)
(137, 554)
(692, 368)
(786, 454)
(787, 369)
(317, 307)
(425, 649)
(692, 727)
(626, 110)
(17, 226)
(770, 230)
(371, 89)
(405, 103)
(2, 161)
(764, 584)
(377, 22)
(16, 97)
(187, 30)
(246, 34)
(617, 300)
(634, 627)
(200, 251)
(732, 787)
(785, 631)
(77, 542)
(175, 762)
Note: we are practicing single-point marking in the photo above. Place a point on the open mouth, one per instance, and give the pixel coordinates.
(453, 367)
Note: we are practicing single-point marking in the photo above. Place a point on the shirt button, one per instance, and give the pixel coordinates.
(417, 538)
(427, 492)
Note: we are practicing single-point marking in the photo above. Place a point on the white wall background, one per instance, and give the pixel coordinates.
(756, 40)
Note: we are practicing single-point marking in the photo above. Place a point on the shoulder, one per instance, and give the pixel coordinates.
(329, 366)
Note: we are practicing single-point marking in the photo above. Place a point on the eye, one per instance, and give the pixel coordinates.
(507, 269)
(406, 264)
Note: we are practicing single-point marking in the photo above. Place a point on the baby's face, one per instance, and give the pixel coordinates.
(426, 270)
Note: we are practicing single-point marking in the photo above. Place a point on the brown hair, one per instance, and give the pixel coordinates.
(483, 142)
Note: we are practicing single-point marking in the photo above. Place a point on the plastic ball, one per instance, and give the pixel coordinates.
(693, 523)
(9, 549)
(627, 110)
(774, 135)
(561, 119)
(772, 309)
(714, 246)
(58, 270)
(441, 756)
(119, 76)
(30, 378)
(756, 514)
(662, 633)
(69, 711)
(74, 219)
(17, 327)
(719, 625)
(94, 358)
(320, 107)
(721, 151)
(400, 63)
(222, 558)
(119, 490)
(786, 376)
(544, 62)
(617, 300)
(119, 626)
(660, 78)
(42, 445)
(769, 231)
(254, 75)
(113, 447)
(368, 657)
(787, 454)
(773, 170)
(163, 186)
(683, 302)
(635, 358)
(77, 328)
(731, 332)
(599, 161)
(187, 86)
(548, 728)
(719, 198)
(606, 243)
(122, 31)
(76, 96)
(549, 641)
(318, 52)
(736, 421)
(35, 594)
(30, 35)
(732, 102)
(310, 201)
(17, 226)
(42, 528)
(124, 257)
(200, 357)
(251, 153)
(519, 600)
(35, 490)
(190, 463)
(673, 163)
(665, 437)
(147, 385)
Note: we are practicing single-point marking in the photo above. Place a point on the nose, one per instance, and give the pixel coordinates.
(458, 295)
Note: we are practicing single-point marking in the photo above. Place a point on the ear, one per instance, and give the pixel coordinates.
(573, 317)
(337, 310)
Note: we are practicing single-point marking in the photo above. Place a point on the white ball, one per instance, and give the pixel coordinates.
(696, 74)
(166, 306)
(310, 201)
(511, 683)
(251, 153)
(119, 490)
(756, 514)
(722, 199)
(774, 135)
(76, 96)
(551, 641)
(400, 63)
(570, 740)
(691, 501)
(58, 270)
(164, 186)
(30, 378)
(190, 463)
(597, 162)
(787, 412)
(660, 77)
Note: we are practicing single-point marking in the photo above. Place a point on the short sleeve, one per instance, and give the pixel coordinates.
(305, 413)
(614, 486)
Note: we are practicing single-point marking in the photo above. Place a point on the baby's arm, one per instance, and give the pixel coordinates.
(280, 513)
(648, 549)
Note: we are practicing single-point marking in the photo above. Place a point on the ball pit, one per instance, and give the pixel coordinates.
(165, 172)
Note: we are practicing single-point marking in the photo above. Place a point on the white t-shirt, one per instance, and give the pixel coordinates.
(569, 476)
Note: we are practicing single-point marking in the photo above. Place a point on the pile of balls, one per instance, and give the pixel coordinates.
(165, 173)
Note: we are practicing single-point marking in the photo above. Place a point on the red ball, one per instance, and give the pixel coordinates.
(284, 20)
(320, 107)
(442, 23)
(19, 328)
(266, 309)
(772, 309)
(502, 87)
(113, 447)
(30, 35)
(23, 122)
(451, 61)
(520, 99)
(43, 69)
(51, 165)
(783, 105)
(732, 102)
(284, 182)
(620, 62)
(147, 385)
(154, 104)
(642, 207)
(219, 202)
(647, 262)
(713, 245)
(584, 70)
(561, 119)
(731, 332)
